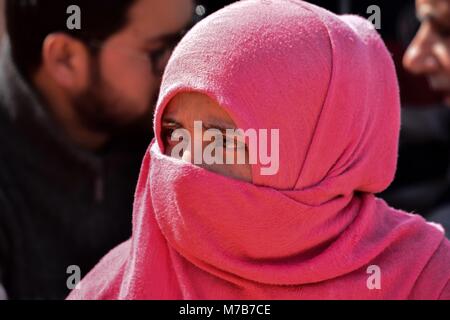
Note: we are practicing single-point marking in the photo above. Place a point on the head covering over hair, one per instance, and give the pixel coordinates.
(314, 230)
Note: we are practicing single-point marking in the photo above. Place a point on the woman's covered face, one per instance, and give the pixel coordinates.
(198, 130)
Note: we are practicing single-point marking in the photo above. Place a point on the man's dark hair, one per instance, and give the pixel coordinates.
(29, 22)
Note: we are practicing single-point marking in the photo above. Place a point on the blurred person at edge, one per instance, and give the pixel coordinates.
(75, 120)
(429, 55)
(2, 19)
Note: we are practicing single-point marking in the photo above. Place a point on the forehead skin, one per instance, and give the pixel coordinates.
(190, 107)
(150, 19)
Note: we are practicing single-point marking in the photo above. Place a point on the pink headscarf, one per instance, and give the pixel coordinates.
(315, 229)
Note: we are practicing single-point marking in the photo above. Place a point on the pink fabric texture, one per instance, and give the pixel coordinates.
(311, 231)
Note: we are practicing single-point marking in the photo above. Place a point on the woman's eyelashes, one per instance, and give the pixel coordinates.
(168, 134)
(172, 135)
(232, 143)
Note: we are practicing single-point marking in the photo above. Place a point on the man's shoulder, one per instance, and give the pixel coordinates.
(9, 160)
(11, 138)
(6, 124)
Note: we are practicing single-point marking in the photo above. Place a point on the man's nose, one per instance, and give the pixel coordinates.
(419, 58)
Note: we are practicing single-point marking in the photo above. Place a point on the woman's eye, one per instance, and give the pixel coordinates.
(233, 143)
(228, 143)
(167, 136)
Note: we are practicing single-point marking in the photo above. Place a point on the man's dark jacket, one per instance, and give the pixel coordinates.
(60, 206)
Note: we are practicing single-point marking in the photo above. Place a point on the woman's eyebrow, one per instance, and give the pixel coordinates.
(170, 122)
(222, 126)
(212, 124)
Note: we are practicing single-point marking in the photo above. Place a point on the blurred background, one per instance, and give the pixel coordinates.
(421, 183)
(2, 20)
(421, 179)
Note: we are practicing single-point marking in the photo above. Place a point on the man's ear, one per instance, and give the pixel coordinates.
(66, 60)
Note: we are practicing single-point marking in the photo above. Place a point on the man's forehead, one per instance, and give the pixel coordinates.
(152, 18)
(436, 9)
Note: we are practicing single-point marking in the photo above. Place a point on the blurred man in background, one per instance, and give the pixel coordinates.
(75, 120)
(2, 29)
(429, 52)
(429, 55)
(2, 19)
